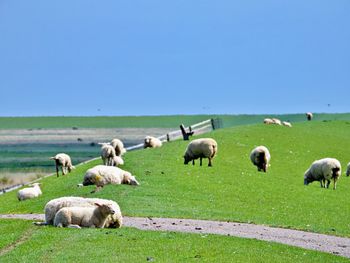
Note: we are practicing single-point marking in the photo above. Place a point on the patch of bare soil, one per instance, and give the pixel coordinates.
(320, 242)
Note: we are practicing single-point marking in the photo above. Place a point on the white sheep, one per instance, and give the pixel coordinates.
(276, 121)
(260, 157)
(52, 207)
(286, 123)
(101, 175)
(109, 156)
(309, 116)
(29, 192)
(77, 217)
(151, 142)
(323, 170)
(268, 121)
(348, 169)
(201, 148)
(118, 147)
(64, 161)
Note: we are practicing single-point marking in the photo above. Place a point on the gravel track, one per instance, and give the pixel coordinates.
(320, 242)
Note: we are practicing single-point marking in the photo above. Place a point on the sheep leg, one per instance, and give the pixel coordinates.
(57, 170)
(62, 168)
(98, 188)
(209, 163)
(335, 183)
(328, 183)
(73, 226)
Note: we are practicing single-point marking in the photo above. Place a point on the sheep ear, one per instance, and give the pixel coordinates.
(97, 204)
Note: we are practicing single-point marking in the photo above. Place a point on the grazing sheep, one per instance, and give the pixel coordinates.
(309, 116)
(201, 148)
(268, 121)
(276, 121)
(29, 192)
(101, 175)
(64, 161)
(260, 157)
(348, 169)
(77, 217)
(151, 142)
(109, 156)
(118, 147)
(323, 170)
(286, 123)
(52, 207)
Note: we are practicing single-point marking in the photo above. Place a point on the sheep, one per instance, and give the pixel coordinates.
(77, 217)
(201, 148)
(151, 142)
(348, 169)
(64, 161)
(323, 170)
(309, 116)
(109, 156)
(276, 121)
(260, 157)
(268, 121)
(52, 207)
(101, 175)
(29, 192)
(118, 147)
(286, 123)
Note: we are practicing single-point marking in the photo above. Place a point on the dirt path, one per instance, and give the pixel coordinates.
(326, 243)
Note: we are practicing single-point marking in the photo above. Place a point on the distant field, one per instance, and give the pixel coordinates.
(172, 121)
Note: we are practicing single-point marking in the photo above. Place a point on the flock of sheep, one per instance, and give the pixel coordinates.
(79, 212)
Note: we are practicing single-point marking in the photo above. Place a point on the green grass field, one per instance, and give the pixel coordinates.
(232, 189)
(171, 121)
(49, 244)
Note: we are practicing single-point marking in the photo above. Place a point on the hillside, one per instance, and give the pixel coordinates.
(232, 189)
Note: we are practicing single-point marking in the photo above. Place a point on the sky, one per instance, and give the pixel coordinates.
(156, 57)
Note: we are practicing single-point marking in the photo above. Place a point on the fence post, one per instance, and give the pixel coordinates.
(212, 123)
(168, 137)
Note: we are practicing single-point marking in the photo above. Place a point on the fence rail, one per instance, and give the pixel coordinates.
(195, 129)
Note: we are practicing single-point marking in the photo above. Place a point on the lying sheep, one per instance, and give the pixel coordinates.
(286, 123)
(309, 116)
(77, 217)
(323, 170)
(260, 157)
(118, 147)
(52, 207)
(29, 192)
(101, 175)
(201, 148)
(348, 169)
(268, 121)
(63, 160)
(276, 121)
(109, 156)
(151, 142)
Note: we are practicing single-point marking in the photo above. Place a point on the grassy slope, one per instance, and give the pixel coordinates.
(232, 189)
(49, 244)
(171, 121)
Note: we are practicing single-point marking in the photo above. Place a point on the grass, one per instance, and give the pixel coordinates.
(232, 189)
(49, 244)
(171, 121)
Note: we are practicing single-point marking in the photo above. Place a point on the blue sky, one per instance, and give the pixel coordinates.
(156, 57)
